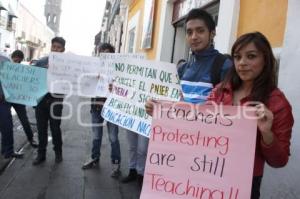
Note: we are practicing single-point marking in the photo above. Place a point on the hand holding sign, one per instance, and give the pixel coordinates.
(149, 106)
(23, 84)
(264, 123)
(194, 149)
(135, 82)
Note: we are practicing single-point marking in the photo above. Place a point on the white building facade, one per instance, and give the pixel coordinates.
(33, 36)
(8, 18)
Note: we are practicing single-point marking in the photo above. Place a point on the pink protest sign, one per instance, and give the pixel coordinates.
(200, 151)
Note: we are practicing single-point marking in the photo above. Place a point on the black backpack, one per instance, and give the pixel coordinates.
(215, 73)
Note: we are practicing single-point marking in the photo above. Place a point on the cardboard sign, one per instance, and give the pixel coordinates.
(200, 151)
(135, 81)
(23, 84)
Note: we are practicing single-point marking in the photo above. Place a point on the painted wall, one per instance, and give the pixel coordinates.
(267, 16)
(139, 6)
(134, 19)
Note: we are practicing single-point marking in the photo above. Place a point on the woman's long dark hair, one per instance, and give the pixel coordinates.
(265, 83)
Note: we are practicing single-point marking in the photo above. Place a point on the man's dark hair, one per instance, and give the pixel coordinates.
(202, 15)
(106, 46)
(17, 53)
(59, 40)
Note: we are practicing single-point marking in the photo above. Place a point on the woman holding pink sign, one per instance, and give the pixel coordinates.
(252, 80)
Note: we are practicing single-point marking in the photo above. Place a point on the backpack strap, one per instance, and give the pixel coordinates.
(181, 69)
(215, 72)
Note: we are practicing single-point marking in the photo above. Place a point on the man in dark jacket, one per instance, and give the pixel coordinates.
(204, 70)
(50, 110)
(6, 125)
(206, 67)
(17, 57)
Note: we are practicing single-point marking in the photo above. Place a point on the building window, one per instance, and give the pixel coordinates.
(131, 38)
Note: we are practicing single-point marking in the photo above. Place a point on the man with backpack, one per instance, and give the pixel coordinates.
(207, 67)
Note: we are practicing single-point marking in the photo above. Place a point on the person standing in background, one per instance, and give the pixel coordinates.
(97, 129)
(49, 110)
(17, 57)
(6, 125)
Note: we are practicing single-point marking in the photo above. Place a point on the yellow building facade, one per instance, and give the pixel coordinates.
(136, 10)
(266, 16)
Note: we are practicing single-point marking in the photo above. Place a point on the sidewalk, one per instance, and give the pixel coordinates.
(67, 180)
(20, 140)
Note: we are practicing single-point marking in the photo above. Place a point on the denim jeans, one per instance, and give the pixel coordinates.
(112, 129)
(49, 110)
(138, 147)
(6, 129)
(22, 114)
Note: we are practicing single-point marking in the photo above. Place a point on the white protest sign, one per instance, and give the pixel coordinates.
(108, 60)
(135, 81)
(82, 75)
(76, 75)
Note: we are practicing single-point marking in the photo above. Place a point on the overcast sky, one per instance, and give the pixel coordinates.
(80, 22)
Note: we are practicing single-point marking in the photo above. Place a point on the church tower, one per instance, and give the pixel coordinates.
(52, 14)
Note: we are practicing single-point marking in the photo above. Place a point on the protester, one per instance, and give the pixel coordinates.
(97, 129)
(207, 67)
(196, 75)
(252, 82)
(49, 110)
(17, 57)
(6, 125)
